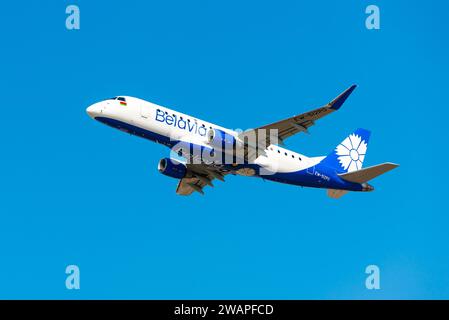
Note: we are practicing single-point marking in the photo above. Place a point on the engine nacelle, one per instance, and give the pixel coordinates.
(220, 140)
(172, 168)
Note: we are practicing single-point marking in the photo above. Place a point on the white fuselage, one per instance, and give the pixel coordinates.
(167, 124)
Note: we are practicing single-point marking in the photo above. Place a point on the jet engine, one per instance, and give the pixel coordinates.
(172, 168)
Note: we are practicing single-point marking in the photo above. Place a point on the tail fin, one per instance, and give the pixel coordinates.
(348, 156)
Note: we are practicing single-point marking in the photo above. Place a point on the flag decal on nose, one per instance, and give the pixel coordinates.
(122, 101)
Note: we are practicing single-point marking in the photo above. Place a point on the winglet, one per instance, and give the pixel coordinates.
(338, 101)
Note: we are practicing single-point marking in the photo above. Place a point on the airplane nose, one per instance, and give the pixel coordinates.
(94, 110)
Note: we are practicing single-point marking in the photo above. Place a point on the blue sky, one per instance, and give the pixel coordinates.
(76, 192)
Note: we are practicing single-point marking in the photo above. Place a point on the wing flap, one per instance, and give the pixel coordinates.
(199, 176)
(187, 186)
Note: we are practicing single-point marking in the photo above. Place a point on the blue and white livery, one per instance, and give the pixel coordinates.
(206, 151)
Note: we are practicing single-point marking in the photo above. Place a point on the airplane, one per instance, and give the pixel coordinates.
(206, 151)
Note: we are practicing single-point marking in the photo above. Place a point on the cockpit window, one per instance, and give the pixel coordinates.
(122, 100)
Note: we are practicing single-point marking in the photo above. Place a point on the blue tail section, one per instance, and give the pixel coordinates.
(349, 155)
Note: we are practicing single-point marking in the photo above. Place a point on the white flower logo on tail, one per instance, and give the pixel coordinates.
(351, 153)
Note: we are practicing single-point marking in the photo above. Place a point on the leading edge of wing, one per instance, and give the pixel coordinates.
(301, 123)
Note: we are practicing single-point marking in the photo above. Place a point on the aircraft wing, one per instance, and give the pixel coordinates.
(301, 123)
(199, 176)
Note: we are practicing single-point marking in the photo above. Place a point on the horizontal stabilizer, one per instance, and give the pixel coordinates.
(365, 175)
(333, 193)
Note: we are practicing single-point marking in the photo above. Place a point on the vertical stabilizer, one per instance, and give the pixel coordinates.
(349, 155)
